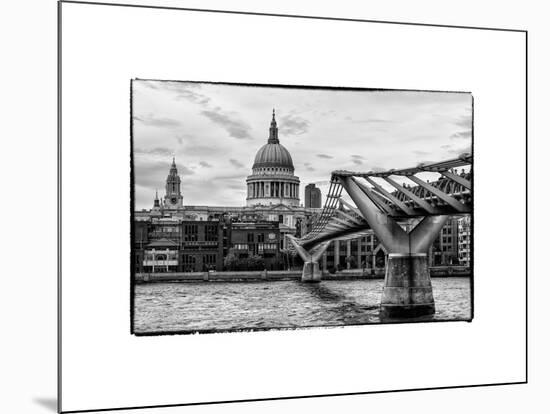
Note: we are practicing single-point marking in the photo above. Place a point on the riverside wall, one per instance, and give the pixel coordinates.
(273, 275)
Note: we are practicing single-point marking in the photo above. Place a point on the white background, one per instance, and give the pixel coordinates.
(32, 297)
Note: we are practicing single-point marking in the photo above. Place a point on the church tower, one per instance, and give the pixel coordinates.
(173, 198)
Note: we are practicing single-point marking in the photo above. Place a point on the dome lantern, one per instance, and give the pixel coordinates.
(273, 131)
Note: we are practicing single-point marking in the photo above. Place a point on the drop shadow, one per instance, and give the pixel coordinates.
(46, 402)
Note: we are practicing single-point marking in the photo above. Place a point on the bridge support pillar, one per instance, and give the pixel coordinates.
(311, 272)
(407, 287)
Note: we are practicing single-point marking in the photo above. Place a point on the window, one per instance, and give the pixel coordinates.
(280, 218)
(191, 232)
(250, 238)
(211, 232)
(261, 238)
(267, 246)
(210, 259)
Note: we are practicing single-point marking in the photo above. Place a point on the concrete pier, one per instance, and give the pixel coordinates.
(311, 272)
(407, 287)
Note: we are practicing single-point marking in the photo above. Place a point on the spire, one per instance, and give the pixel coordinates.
(156, 202)
(173, 168)
(273, 131)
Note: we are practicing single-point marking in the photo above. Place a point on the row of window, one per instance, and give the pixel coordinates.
(192, 232)
(272, 170)
(267, 246)
(260, 238)
(208, 259)
(261, 246)
(160, 257)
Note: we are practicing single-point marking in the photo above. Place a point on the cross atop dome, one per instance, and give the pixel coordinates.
(273, 131)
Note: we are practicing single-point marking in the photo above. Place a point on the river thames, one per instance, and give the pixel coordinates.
(223, 306)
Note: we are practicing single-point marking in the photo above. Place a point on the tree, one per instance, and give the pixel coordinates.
(230, 261)
(289, 255)
(256, 262)
(351, 261)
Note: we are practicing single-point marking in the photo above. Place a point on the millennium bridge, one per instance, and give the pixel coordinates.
(406, 220)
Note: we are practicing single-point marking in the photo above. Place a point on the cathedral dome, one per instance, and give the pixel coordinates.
(273, 180)
(273, 155)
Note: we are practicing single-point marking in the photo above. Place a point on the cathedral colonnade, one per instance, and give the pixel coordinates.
(273, 189)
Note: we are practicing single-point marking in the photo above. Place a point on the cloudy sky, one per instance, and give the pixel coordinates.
(215, 130)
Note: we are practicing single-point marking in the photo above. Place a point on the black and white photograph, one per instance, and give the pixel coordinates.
(261, 207)
(264, 207)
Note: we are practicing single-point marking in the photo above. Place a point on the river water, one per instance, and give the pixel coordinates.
(223, 306)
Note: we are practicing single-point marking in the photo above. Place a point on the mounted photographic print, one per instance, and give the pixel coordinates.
(271, 207)
(249, 213)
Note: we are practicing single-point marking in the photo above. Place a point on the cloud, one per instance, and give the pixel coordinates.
(183, 90)
(367, 121)
(162, 151)
(202, 150)
(236, 163)
(150, 84)
(357, 159)
(235, 176)
(152, 174)
(205, 164)
(460, 151)
(417, 152)
(462, 134)
(189, 95)
(293, 125)
(325, 156)
(181, 138)
(446, 146)
(234, 127)
(308, 166)
(183, 170)
(464, 121)
(161, 122)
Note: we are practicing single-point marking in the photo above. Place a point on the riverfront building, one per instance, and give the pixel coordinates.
(444, 251)
(464, 237)
(175, 237)
(198, 238)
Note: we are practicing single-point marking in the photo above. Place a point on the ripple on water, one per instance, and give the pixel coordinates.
(165, 307)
